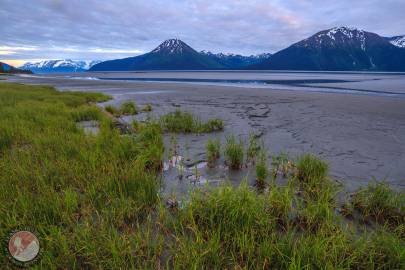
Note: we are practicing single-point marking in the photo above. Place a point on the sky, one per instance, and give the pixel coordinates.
(34, 30)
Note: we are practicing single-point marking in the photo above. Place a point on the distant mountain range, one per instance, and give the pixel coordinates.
(236, 61)
(5, 68)
(66, 65)
(337, 49)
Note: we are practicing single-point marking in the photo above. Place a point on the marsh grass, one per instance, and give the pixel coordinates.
(213, 151)
(126, 108)
(252, 149)
(147, 108)
(379, 203)
(234, 152)
(261, 169)
(94, 202)
(71, 187)
(185, 122)
(281, 163)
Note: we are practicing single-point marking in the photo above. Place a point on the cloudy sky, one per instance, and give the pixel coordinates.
(98, 29)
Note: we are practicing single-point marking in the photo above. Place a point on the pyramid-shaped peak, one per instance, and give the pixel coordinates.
(172, 46)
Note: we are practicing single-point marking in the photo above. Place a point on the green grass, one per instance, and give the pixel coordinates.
(88, 197)
(213, 149)
(185, 122)
(234, 153)
(261, 169)
(252, 149)
(379, 203)
(94, 200)
(126, 108)
(147, 108)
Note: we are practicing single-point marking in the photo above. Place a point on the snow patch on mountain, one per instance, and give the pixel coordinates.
(65, 65)
(398, 41)
(171, 46)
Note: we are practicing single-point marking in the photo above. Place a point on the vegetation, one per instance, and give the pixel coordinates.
(126, 108)
(147, 108)
(185, 122)
(261, 168)
(88, 197)
(252, 149)
(234, 153)
(378, 203)
(213, 148)
(94, 200)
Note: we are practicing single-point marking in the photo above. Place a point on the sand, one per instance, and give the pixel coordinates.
(361, 136)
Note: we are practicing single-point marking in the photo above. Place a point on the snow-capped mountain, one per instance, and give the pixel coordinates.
(66, 65)
(172, 54)
(339, 48)
(235, 61)
(172, 46)
(5, 68)
(398, 41)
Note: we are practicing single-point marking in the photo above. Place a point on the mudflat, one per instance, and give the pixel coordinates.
(354, 121)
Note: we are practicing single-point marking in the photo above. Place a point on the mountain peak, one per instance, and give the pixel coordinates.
(172, 46)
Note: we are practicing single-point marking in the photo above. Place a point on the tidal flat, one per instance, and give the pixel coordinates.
(352, 120)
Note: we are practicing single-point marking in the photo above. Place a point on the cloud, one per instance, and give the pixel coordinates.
(101, 29)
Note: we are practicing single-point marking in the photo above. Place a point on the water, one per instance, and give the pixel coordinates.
(380, 84)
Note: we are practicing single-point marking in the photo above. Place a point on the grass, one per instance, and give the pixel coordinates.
(147, 108)
(185, 122)
(261, 169)
(252, 149)
(234, 153)
(71, 187)
(94, 201)
(213, 149)
(379, 203)
(126, 108)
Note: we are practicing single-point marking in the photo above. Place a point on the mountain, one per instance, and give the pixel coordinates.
(236, 61)
(172, 54)
(5, 68)
(66, 65)
(398, 41)
(339, 48)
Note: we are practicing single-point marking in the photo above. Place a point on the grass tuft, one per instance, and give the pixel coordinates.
(213, 149)
(185, 122)
(379, 203)
(234, 153)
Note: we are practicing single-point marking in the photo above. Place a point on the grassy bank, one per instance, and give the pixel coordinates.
(94, 199)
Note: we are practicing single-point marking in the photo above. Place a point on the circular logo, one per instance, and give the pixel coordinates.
(23, 246)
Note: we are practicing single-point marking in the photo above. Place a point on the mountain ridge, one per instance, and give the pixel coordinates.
(59, 65)
(338, 49)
